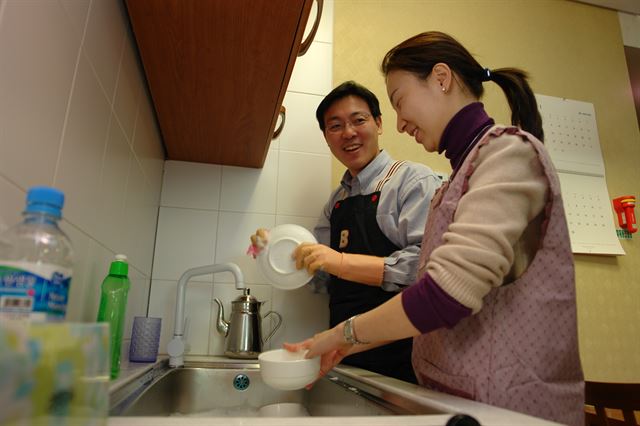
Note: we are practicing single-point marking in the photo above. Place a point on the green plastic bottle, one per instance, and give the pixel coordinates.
(113, 304)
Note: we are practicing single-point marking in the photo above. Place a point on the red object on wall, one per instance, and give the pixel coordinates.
(624, 207)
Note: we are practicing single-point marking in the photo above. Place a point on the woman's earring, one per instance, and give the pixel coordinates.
(444, 90)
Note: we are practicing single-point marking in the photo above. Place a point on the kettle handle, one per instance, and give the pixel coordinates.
(274, 328)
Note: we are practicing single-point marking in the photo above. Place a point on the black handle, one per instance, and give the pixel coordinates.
(462, 420)
(306, 44)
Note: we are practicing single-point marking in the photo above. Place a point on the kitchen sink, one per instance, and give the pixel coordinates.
(218, 389)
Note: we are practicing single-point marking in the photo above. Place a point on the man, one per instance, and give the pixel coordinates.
(371, 228)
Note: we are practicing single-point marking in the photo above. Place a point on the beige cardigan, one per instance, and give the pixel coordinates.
(494, 235)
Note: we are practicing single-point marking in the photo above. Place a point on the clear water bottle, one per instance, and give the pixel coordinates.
(36, 260)
(113, 305)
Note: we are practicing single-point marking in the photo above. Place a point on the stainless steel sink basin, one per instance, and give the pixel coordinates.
(236, 390)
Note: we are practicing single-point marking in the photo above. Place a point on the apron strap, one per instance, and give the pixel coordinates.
(392, 170)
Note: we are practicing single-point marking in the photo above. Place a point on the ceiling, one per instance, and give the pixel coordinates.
(627, 6)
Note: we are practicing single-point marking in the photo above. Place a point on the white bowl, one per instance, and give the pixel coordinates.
(286, 370)
(283, 409)
(275, 260)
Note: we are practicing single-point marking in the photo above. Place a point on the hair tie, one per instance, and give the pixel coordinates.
(486, 75)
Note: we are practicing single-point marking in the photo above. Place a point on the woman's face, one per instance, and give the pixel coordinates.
(420, 107)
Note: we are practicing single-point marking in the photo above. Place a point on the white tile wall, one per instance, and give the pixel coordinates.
(12, 203)
(77, 11)
(130, 89)
(308, 74)
(630, 28)
(141, 212)
(251, 190)
(186, 238)
(38, 52)
(149, 153)
(104, 40)
(75, 114)
(113, 187)
(302, 132)
(191, 185)
(82, 149)
(298, 190)
(204, 205)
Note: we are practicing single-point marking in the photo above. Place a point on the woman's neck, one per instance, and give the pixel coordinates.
(463, 132)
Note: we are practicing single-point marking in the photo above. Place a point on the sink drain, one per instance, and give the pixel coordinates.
(241, 382)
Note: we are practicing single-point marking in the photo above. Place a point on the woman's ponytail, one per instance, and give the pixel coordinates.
(522, 101)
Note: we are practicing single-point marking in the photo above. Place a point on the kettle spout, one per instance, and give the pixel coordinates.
(221, 325)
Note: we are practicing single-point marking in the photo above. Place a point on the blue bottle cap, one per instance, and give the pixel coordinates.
(43, 199)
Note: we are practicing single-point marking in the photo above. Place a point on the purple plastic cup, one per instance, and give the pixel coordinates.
(145, 339)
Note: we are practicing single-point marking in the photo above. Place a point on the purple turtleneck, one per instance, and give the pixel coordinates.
(463, 131)
(426, 304)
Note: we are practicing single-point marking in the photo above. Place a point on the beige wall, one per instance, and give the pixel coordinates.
(571, 50)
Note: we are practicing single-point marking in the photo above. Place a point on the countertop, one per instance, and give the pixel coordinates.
(487, 415)
(131, 370)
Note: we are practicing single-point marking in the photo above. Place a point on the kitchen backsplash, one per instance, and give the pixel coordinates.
(208, 212)
(75, 114)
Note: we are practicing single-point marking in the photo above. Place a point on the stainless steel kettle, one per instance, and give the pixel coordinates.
(244, 329)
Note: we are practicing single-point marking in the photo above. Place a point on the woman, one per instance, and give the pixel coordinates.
(494, 313)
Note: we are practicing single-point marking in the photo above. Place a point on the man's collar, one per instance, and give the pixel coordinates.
(369, 173)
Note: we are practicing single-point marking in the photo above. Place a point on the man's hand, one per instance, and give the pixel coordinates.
(258, 242)
(315, 257)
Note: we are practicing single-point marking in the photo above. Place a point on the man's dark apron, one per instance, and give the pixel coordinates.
(354, 229)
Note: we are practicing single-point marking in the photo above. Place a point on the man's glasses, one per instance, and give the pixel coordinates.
(339, 126)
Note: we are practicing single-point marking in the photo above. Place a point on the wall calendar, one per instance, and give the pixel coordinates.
(571, 137)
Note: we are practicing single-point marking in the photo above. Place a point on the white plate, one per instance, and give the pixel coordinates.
(275, 260)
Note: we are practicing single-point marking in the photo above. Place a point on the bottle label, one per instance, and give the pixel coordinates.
(38, 292)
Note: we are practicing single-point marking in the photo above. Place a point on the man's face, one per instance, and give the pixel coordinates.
(352, 133)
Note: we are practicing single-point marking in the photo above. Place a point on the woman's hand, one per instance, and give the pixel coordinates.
(258, 241)
(329, 345)
(315, 257)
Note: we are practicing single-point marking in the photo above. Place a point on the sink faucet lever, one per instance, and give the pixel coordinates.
(176, 347)
(221, 325)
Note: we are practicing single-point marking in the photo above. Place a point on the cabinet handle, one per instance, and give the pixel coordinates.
(283, 114)
(305, 45)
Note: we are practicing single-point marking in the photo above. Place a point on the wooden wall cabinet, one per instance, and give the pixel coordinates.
(218, 71)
